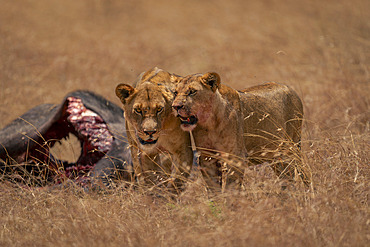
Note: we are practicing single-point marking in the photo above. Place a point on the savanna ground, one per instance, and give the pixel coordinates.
(320, 48)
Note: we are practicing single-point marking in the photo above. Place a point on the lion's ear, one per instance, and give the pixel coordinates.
(123, 91)
(212, 80)
(175, 78)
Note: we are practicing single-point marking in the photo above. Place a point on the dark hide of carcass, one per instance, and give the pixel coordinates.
(98, 124)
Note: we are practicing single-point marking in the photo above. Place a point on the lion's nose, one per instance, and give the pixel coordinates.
(150, 132)
(177, 107)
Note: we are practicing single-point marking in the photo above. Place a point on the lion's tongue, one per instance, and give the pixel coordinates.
(190, 120)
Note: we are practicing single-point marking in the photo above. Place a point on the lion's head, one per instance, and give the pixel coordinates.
(148, 105)
(194, 96)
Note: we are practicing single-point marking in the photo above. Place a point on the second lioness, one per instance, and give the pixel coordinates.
(259, 121)
(152, 129)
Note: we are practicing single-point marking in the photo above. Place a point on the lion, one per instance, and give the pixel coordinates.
(262, 122)
(152, 129)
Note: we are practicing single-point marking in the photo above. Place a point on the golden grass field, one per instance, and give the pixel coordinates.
(320, 48)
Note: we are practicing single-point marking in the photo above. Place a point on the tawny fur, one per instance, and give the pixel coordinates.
(262, 121)
(153, 98)
(272, 119)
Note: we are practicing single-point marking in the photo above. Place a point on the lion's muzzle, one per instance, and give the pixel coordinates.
(188, 121)
(192, 120)
(148, 137)
(148, 141)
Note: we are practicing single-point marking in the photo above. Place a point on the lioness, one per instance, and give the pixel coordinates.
(152, 128)
(259, 121)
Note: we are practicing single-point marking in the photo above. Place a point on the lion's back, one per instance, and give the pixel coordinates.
(271, 112)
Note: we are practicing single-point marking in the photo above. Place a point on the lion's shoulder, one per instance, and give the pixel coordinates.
(231, 95)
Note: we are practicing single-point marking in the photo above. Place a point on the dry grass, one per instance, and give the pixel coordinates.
(321, 49)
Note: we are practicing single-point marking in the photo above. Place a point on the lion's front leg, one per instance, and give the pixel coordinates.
(135, 153)
(182, 165)
(151, 171)
(231, 169)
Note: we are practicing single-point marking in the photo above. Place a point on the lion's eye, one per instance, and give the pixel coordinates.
(192, 92)
(137, 111)
(160, 109)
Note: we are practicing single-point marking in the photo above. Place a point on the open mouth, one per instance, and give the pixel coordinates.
(188, 120)
(146, 142)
